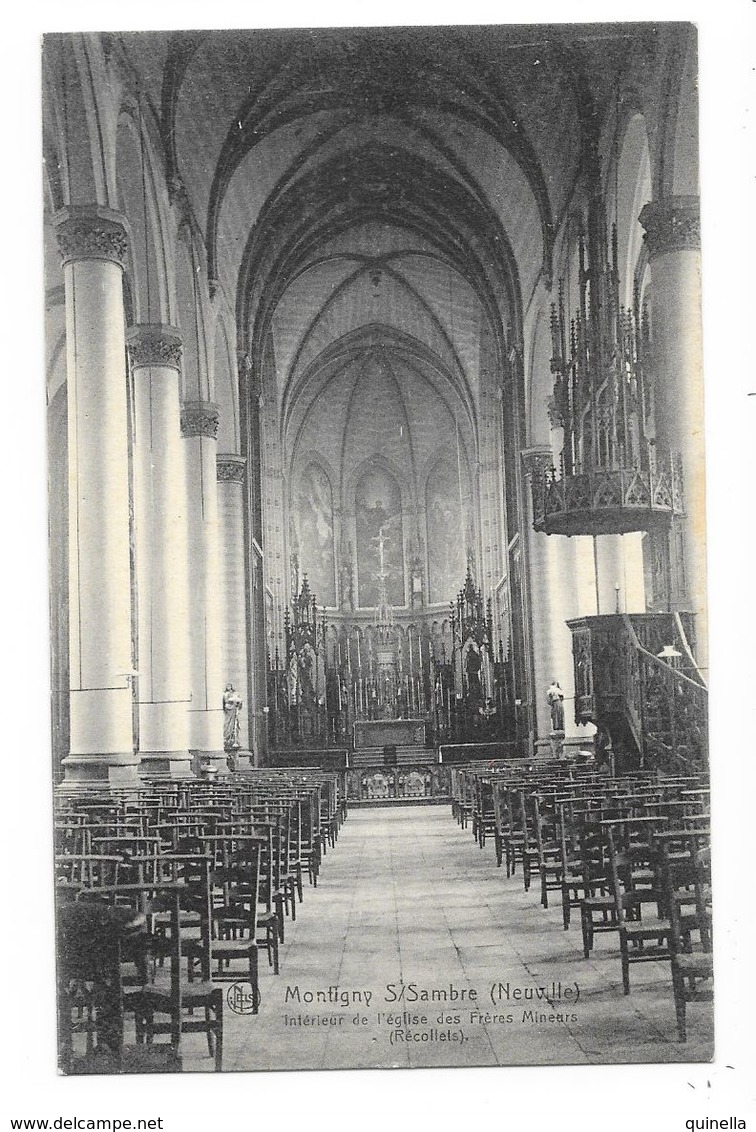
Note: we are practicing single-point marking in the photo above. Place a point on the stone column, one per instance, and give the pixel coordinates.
(234, 648)
(161, 552)
(619, 574)
(674, 243)
(553, 601)
(199, 427)
(93, 246)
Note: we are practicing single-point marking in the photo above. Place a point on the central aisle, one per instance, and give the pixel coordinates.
(408, 897)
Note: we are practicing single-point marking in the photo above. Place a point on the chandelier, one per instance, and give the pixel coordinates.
(611, 477)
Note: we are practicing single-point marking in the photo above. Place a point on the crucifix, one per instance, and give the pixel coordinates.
(383, 573)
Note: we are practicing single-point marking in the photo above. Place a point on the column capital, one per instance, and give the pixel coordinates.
(199, 418)
(672, 224)
(91, 232)
(231, 468)
(537, 460)
(152, 344)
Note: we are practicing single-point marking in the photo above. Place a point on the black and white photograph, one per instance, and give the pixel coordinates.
(380, 620)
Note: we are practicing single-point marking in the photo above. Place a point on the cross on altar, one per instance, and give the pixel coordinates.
(380, 540)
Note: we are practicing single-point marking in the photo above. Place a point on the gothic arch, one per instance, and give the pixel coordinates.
(195, 371)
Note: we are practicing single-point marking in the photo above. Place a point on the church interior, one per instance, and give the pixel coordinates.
(377, 547)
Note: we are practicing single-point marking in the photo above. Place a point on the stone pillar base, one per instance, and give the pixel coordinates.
(556, 742)
(165, 764)
(577, 743)
(241, 760)
(214, 762)
(104, 770)
(558, 746)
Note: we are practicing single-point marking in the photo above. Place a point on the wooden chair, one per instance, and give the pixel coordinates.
(635, 883)
(512, 835)
(597, 905)
(180, 996)
(572, 876)
(88, 870)
(483, 817)
(91, 996)
(528, 849)
(688, 895)
(235, 887)
(548, 849)
(73, 835)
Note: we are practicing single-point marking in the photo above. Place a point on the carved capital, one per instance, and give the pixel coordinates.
(91, 233)
(672, 224)
(537, 461)
(152, 344)
(199, 418)
(231, 468)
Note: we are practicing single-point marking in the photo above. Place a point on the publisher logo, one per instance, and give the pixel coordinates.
(241, 998)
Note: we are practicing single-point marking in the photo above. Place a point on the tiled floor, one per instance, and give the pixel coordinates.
(408, 897)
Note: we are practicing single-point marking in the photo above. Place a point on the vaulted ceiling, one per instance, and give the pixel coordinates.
(389, 189)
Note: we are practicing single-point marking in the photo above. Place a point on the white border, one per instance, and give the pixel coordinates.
(652, 1097)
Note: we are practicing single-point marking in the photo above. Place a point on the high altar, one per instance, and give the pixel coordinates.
(369, 681)
(389, 733)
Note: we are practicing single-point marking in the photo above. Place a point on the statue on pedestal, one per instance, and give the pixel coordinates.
(232, 704)
(555, 699)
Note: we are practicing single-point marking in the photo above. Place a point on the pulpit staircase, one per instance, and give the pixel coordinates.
(637, 680)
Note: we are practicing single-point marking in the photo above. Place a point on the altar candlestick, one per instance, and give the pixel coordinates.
(409, 639)
(359, 659)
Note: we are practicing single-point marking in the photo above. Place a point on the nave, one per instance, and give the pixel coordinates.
(260, 922)
(408, 896)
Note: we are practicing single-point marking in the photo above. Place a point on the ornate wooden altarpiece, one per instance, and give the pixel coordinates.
(333, 676)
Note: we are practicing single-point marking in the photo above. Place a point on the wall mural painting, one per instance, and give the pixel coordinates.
(378, 503)
(446, 552)
(312, 533)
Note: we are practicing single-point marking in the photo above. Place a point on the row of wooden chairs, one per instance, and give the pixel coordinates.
(163, 892)
(631, 854)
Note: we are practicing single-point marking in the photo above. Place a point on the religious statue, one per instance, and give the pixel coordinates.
(473, 664)
(307, 690)
(232, 704)
(555, 699)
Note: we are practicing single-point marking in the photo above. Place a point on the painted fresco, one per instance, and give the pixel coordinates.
(446, 552)
(378, 503)
(312, 537)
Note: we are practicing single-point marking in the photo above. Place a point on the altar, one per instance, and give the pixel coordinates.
(389, 733)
